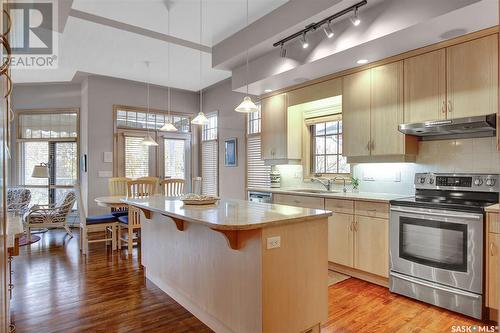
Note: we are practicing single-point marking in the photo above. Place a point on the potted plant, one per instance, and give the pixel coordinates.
(355, 184)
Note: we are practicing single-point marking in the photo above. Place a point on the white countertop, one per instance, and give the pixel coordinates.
(228, 214)
(365, 196)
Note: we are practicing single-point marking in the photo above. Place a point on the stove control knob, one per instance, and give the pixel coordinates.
(478, 182)
(431, 181)
(422, 180)
(490, 182)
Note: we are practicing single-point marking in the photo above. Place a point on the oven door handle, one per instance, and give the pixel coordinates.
(463, 216)
(435, 286)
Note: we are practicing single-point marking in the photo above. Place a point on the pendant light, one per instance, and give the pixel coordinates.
(247, 106)
(148, 140)
(200, 119)
(168, 126)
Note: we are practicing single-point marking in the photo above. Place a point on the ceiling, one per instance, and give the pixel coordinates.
(115, 37)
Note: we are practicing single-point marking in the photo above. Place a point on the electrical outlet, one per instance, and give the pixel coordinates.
(273, 242)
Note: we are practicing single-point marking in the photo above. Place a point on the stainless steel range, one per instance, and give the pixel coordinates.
(436, 240)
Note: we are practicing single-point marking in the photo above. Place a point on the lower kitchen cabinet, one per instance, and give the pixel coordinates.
(493, 261)
(371, 250)
(340, 239)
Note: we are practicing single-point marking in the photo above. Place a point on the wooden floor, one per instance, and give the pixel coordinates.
(57, 290)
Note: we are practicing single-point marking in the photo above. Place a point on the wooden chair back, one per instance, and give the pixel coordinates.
(141, 188)
(156, 180)
(118, 185)
(172, 187)
(134, 217)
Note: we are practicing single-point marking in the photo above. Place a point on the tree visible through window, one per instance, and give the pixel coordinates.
(327, 148)
(136, 158)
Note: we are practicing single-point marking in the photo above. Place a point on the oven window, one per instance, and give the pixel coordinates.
(433, 243)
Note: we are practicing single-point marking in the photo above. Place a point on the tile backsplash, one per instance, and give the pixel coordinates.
(462, 155)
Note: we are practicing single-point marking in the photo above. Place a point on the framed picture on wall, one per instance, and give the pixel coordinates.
(231, 152)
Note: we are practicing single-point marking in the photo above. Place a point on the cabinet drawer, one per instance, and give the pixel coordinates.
(299, 201)
(494, 223)
(340, 206)
(372, 209)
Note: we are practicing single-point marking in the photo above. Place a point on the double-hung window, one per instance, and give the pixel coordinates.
(209, 156)
(327, 148)
(258, 174)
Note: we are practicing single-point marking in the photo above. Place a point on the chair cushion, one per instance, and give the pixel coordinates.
(119, 213)
(123, 219)
(98, 219)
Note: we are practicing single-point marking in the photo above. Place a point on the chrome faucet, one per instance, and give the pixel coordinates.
(323, 181)
(344, 189)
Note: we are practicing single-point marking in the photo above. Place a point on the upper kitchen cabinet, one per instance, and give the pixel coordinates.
(356, 114)
(425, 87)
(472, 77)
(315, 92)
(281, 131)
(372, 109)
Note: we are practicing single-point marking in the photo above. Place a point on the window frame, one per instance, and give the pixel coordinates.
(251, 135)
(202, 130)
(313, 154)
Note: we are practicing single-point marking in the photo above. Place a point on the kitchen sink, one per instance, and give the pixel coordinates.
(308, 190)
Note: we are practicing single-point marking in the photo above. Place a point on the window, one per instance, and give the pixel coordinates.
(175, 158)
(209, 156)
(48, 137)
(327, 148)
(258, 174)
(136, 157)
(137, 120)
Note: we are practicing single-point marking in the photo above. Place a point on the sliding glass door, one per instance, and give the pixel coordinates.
(175, 152)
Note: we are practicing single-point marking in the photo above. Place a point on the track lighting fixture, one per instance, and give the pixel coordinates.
(355, 18)
(303, 41)
(325, 24)
(328, 30)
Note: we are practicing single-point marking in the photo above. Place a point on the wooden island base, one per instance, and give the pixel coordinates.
(252, 289)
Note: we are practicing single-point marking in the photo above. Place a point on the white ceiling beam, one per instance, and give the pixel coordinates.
(137, 30)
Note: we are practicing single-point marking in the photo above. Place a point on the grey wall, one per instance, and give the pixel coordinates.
(220, 97)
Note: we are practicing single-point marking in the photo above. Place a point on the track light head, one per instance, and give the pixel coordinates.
(355, 18)
(303, 41)
(328, 30)
(282, 51)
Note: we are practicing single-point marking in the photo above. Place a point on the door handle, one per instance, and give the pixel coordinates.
(351, 226)
(372, 147)
(443, 107)
(410, 211)
(492, 250)
(368, 146)
(449, 106)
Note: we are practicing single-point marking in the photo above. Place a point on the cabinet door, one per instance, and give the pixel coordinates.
(472, 77)
(371, 245)
(425, 87)
(299, 201)
(274, 130)
(387, 109)
(356, 114)
(493, 275)
(340, 239)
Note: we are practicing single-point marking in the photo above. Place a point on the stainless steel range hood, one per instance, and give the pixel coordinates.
(469, 127)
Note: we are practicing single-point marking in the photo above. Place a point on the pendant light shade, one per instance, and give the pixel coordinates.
(149, 141)
(200, 119)
(168, 127)
(247, 106)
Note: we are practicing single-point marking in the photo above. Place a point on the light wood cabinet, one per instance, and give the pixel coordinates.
(299, 201)
(387, 110)
(371, 250)
(472, 77)
(340, 239)
(281, 131)
(372, 109)
(356, 114)
(425, 87)
(493, 261)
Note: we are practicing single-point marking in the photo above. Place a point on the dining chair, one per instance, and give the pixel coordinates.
(132, 222)
(156, 180)
(172, 187)
(105, 223)
(118, 186)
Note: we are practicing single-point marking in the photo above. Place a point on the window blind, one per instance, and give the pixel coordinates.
(209, 167)
(258, 174)
(55, 125)
(136, 157)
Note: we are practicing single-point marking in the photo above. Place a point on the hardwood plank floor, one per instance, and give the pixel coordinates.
(58, 290)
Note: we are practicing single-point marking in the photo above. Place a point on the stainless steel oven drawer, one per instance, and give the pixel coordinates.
(457, 300)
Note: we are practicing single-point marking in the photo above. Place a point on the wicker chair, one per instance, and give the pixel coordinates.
(18, 200)
(51, 216)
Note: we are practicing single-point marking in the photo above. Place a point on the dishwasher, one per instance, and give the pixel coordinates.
(260, 197)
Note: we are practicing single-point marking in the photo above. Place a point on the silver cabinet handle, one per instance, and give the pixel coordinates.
(434, 286)
(492, 250)
(372, 145)
(449, 106)
(368, 146)
(410, 211)
(443, 107)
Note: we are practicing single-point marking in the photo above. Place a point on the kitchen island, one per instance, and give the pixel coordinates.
(239, 266)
